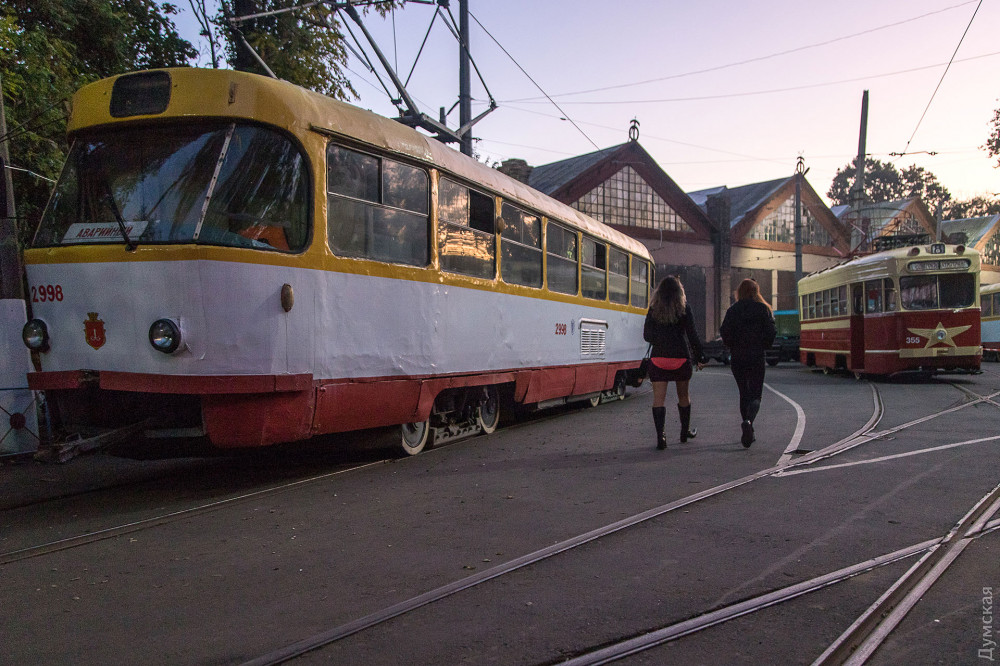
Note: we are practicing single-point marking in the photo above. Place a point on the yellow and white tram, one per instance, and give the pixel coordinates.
(906, 309)
(232, 257)
(989, 305)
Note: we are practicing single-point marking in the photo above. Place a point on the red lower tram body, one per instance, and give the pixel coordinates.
(891, 342)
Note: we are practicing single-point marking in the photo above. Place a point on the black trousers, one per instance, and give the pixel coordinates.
(749, 375)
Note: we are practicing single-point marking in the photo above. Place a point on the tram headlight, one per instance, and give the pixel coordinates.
(941, 335)
(35, 335)
(165, 336)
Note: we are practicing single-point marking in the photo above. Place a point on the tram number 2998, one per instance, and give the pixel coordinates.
(560, 329)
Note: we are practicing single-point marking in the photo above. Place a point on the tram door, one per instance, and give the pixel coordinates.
(857, 361)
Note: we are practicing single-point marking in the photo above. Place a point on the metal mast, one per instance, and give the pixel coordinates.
(464, 79)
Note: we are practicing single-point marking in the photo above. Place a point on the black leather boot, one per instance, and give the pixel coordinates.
(659, 417)
(749, 437)
(687, 432)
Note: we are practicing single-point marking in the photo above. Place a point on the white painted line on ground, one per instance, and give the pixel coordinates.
(800, 426)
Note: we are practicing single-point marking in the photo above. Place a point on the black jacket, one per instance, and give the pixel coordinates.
(748, 329)
(669, 341)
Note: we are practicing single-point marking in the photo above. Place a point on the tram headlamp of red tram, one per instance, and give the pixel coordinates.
(35, 335)
(165, 336)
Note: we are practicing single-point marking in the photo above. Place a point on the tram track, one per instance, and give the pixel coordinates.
(866, 433)
(163, 519)
(183, 514)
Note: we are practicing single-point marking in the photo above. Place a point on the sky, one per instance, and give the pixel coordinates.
(725, 92)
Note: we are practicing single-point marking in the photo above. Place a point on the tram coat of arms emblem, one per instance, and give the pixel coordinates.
(93, 329)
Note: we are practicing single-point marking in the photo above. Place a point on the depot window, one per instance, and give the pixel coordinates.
(466, 230)
(377, 208)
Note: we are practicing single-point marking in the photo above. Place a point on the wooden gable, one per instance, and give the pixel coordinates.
(785, 192)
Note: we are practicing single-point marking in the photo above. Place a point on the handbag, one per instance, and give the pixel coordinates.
(643, 370)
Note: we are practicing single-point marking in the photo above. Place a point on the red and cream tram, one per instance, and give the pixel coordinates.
(234, 258)
(907, 309)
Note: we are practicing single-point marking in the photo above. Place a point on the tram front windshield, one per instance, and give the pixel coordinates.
(930, 292)
(224, 184)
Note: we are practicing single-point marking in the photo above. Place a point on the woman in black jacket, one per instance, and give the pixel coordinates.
(748, 330)
(670, 330)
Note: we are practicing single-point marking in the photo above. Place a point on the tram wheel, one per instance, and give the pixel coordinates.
(413, 437)
(488, 413)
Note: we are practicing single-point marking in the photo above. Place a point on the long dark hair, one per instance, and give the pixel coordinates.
(750, 291)
(669, 301)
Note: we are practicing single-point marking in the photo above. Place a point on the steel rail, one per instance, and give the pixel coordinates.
(148, 523)
(318, 640)
(657, 637)
(870, 630)
(173, 516)
(321, 639)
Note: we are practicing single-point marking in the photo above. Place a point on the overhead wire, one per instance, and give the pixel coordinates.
(535, 83)
(756, 92)
(756, 58)
(941, 80)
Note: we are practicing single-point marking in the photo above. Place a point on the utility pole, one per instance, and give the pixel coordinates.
(800, 170)
(857, 196)
(464, 77)
(10, 253)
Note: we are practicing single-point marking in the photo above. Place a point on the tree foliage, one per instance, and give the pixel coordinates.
(306, 47)
(884, 182)
(992, 144)
(979, 206)
(49, 49)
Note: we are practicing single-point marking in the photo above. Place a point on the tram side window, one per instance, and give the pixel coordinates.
(804, 307)
(561, 249)
(825, 304)
(890, 295)
(594, 271)
(844, 305)
(377, 208)
(466, 239)
(520, 247)
(640, 282)
(873, 296)
(996, 305)
(811, 305)
(618, 276)
(987, 305)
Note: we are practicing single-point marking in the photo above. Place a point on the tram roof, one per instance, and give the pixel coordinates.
(990, 288)
(221, 93)
(883, 264)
